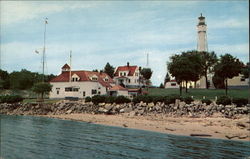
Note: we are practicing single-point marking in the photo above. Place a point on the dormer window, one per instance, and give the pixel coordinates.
(75, 78)
(106, 79)
(94, 78)
(120, 73)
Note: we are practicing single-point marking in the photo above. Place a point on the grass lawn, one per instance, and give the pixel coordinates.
(199, 93)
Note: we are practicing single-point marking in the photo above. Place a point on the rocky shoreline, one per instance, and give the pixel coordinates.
(178, 109)
(195, 119)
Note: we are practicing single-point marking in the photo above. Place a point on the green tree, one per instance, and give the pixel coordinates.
(208, 60)
(41, 89)
(228, 67)
(109, 70)
(185, 67)
(4, 79)
(167, 78)
(245, 70)
(146, 74)
(161, 86)
(21, 80)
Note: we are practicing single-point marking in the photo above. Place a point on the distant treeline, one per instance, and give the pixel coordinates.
(21, 80)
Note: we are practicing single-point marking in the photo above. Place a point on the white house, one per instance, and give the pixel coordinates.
(79, 83)
(118, 90)
(172, 84)
(127, 76)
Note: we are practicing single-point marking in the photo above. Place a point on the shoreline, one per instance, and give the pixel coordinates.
(209, 127)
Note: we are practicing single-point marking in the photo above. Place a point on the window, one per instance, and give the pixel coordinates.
(94, 91)
(57, 91)
(128, 80)
(173, 84)
(99, 92)
(106, 79)
(120, 73)
(124, 74)
(83, 93)
(68, 89)
(75, 89)
(94, 79)
(242, 79)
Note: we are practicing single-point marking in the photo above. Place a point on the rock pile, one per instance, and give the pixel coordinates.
(195, 109)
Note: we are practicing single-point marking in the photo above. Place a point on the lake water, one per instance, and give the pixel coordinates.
(26, 137)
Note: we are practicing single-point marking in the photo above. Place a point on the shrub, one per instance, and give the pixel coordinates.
(158, 99)
(240, 101)
(88, 99)
(110, 99)
(207, 101)
(122, 99)
(171, 98)
(143, 98)
(187, 100)
(10, 99)
(224, 100)
(96, 99)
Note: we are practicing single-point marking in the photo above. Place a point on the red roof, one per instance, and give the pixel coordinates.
(118, 88)
(66, 66)
(131, 70)
(84, 76)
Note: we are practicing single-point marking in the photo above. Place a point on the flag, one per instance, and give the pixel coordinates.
(46, 20)
(36, 51)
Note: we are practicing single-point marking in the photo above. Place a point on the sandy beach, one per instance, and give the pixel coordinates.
(217, 127)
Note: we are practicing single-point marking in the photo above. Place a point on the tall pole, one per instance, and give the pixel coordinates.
(44, 42)
(70, 59)
(147, 60)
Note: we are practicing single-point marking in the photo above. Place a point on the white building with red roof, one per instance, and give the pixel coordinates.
(80, 83)
(127, 76)
(172, 84)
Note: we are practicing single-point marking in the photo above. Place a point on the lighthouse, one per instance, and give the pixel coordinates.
(202, 34)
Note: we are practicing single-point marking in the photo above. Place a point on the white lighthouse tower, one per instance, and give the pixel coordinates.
(202, 34)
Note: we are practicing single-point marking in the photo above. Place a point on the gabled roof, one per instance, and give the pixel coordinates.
(130, 69)
(84, 76)
(66, 66)
(118, 88)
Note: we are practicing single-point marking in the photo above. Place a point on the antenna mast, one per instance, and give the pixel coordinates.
(44, 42)
(147, 61)
(70, 59)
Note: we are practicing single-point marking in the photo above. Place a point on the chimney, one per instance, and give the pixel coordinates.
(127, 64)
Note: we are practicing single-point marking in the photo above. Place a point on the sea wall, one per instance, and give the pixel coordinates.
(178, 109)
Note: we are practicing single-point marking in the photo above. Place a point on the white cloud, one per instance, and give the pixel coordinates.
(16, 11)
(228, 23)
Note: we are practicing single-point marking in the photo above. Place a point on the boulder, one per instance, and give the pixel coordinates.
(151, 104)
(127, 110)
(108, 107)
(102, 110)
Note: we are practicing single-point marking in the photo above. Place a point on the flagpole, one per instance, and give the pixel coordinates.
(70, 59)
(44, 42)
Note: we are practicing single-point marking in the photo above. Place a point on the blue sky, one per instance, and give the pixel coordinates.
(117, 32)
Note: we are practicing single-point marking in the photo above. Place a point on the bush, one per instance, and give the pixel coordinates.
(224, 100)
(96, 99)
(122, 99)
(10, 99)
(240, 101)
(88, 99)
(143, 98)
(187, 100)
(110, 99)
(158, 99)
(207, 101)
(171, 98)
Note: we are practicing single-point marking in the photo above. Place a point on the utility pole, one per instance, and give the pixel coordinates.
(70, 59)
(44, 48)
